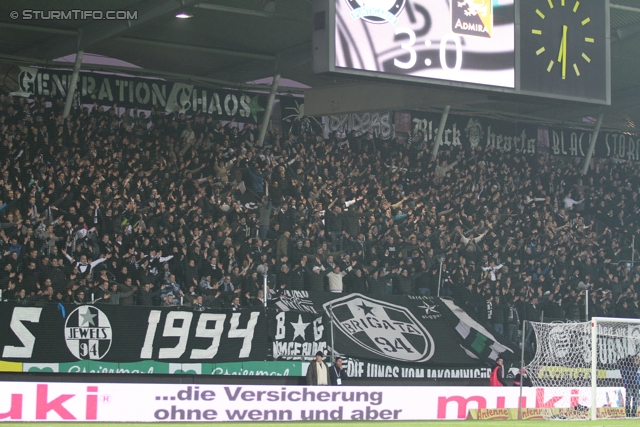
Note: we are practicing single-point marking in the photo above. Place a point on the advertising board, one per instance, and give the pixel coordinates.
(42, 401)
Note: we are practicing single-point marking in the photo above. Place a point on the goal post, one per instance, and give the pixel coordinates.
(592, 368)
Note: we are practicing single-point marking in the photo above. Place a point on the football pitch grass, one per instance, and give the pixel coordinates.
(464, 423)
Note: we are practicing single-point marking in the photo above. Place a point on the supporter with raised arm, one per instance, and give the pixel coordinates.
(84, 268)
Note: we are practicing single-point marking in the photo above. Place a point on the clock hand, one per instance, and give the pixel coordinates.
(564, 51)
(561, 50)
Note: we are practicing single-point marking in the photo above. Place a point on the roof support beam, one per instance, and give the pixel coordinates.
(214, 51)
(251, 12)
(71, 90)
(625, 8)
(254, 70)
(269, 109)
(21, 27)
(438, 142)
(210, 50)
(98, 31)
(592, 145)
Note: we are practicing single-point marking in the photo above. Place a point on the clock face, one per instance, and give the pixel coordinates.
(563, 48)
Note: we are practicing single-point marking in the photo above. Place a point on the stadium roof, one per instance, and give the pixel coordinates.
(230, 43)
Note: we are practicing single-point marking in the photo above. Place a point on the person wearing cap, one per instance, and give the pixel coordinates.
(496, 379)
(318, 371)
(313, 277)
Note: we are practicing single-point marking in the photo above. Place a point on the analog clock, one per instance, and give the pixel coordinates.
(564, 48)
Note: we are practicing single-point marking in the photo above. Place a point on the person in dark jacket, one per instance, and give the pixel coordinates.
(297, 252)
(284, 217)
(313, 277)
(114, 296)
(283, 277)
(100, 289)
(355, 282)
(513, 321)
(499, 308)
(334, 225)
(377, 285)
(337, 373)
(147, 295)
(554, 308)
(352, 219)
(264, 218)
(533, 310)
(296, 279)
(402, 283)
(126, 287)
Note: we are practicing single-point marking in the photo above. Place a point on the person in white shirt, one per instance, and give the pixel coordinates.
(467, 240)
(569, 202)
(335, 278)
(492, 268)
(83, 266)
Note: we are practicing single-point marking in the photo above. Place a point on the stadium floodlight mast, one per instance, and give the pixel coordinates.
(593, 366)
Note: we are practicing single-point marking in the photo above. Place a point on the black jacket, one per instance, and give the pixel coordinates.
(335, 373)
(146, 298)
(314, 282)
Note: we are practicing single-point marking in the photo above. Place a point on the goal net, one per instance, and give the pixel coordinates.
(588, 362)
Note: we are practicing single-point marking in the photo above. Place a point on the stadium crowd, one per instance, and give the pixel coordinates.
(171, 209)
